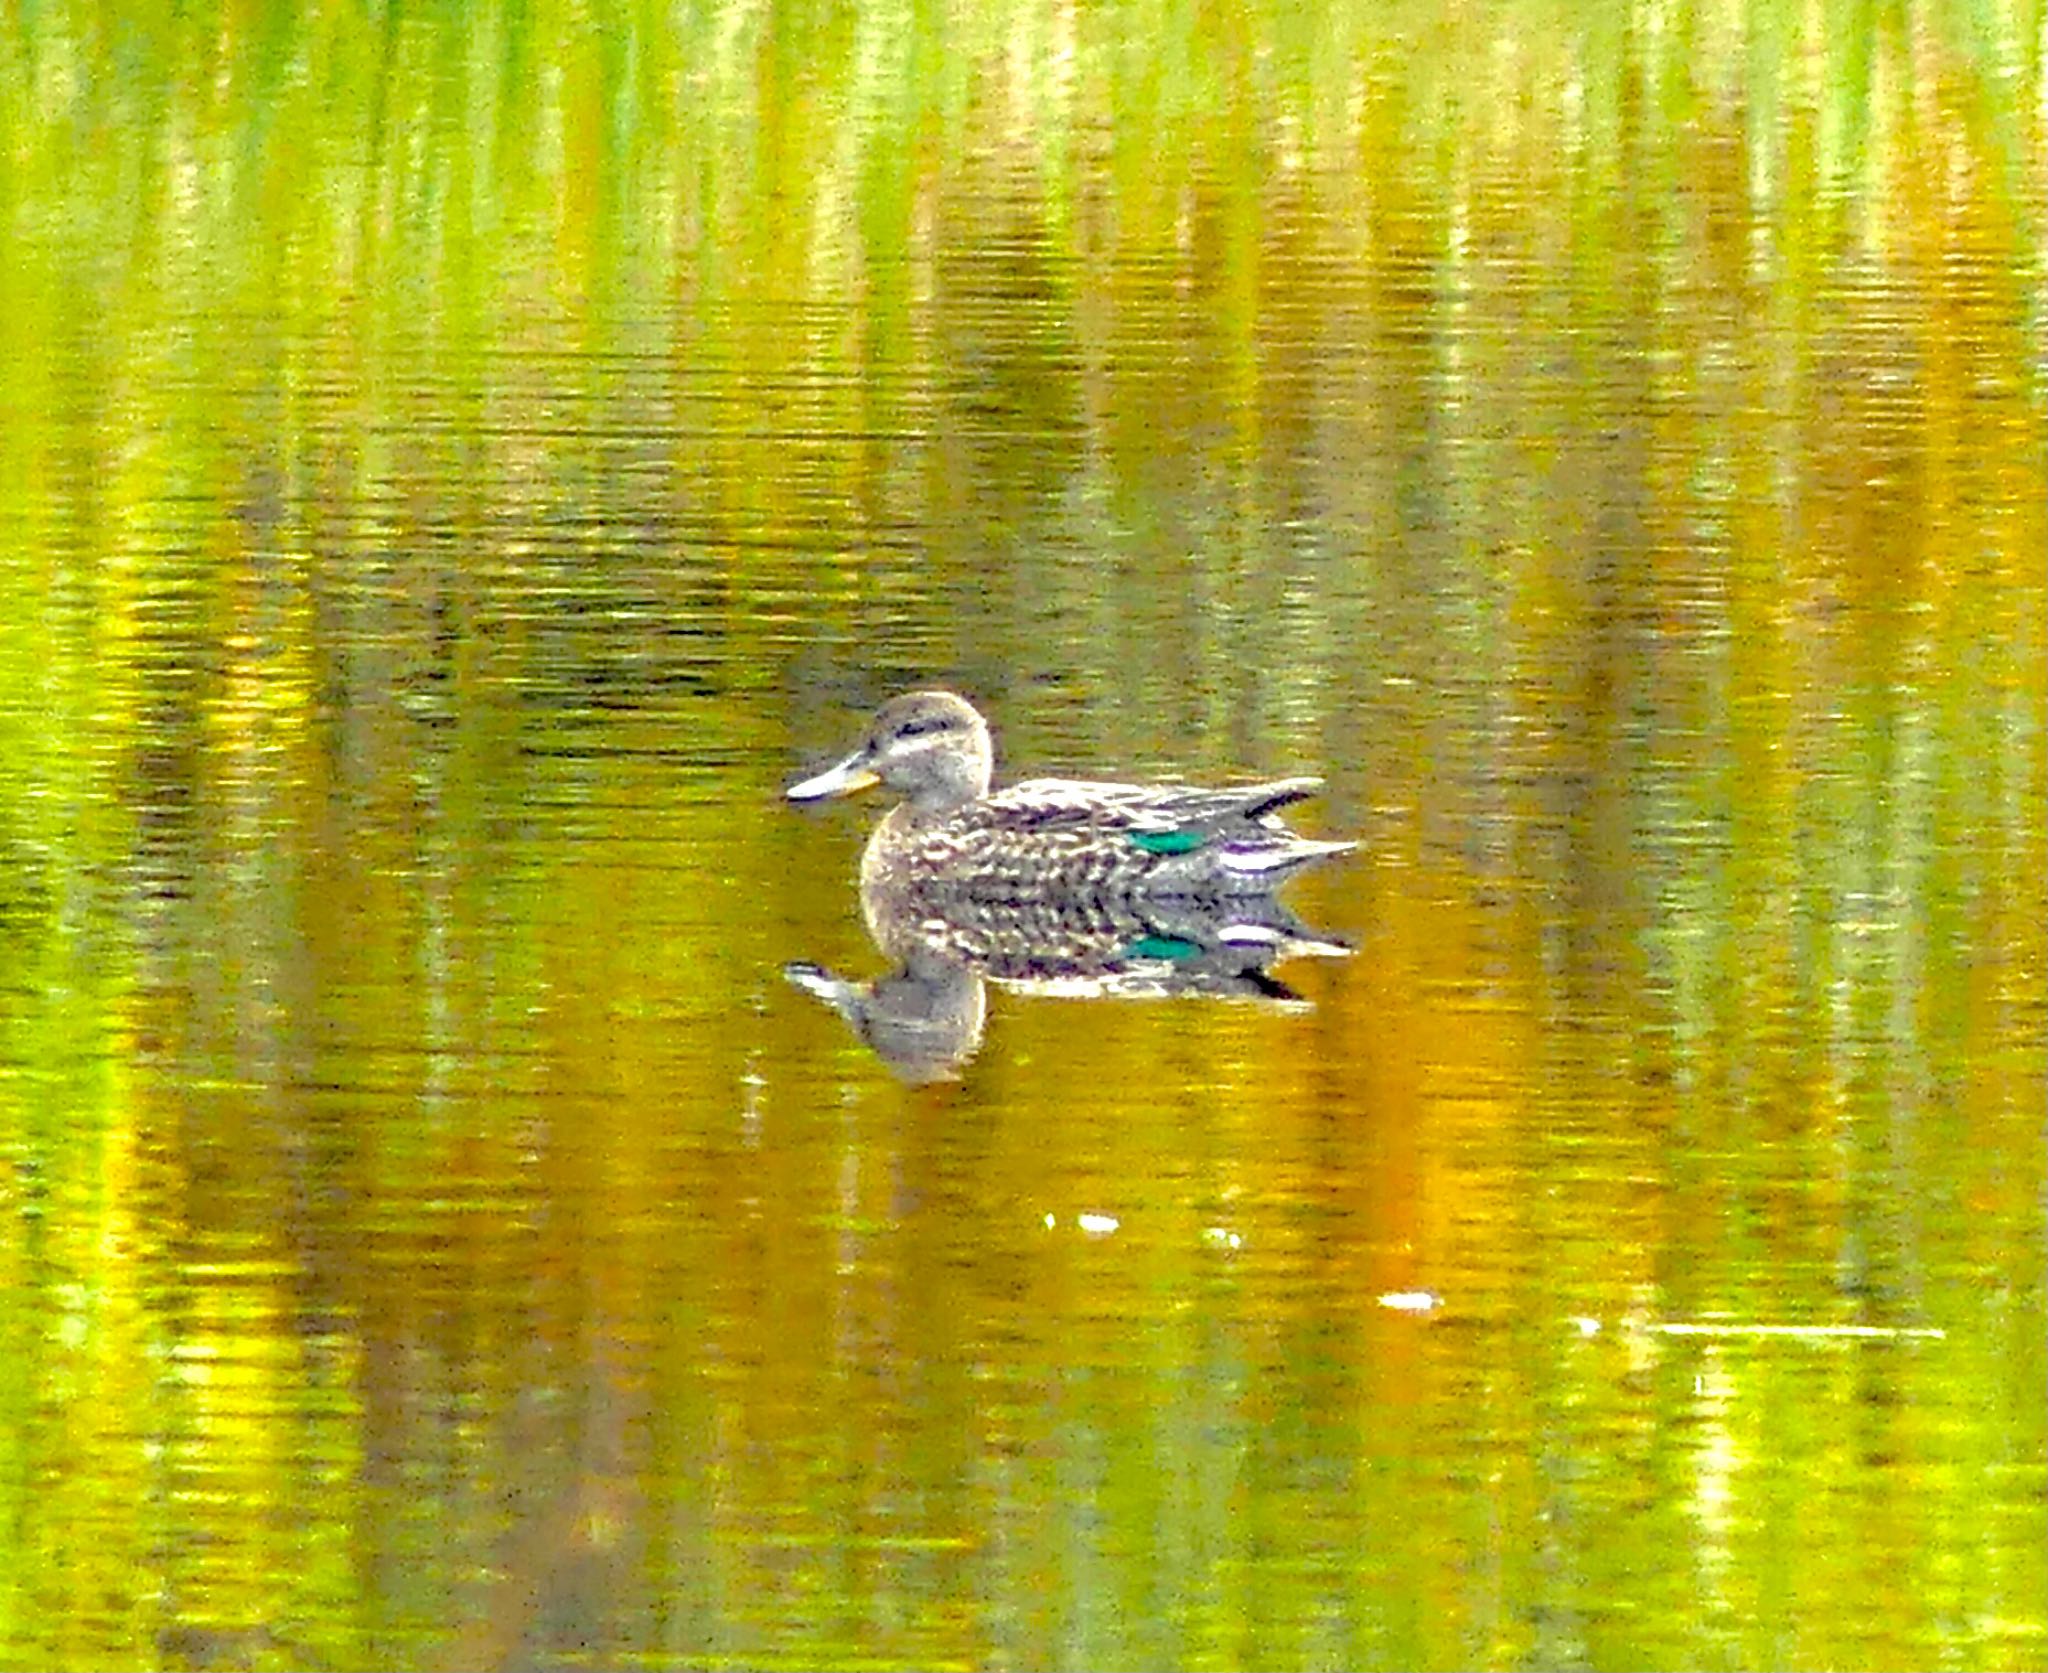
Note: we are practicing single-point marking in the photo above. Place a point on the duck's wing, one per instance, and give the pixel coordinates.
(1141, 809)
(1168, 832)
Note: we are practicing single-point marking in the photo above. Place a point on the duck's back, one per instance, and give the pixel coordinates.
(1089, 836)
(1145, 811)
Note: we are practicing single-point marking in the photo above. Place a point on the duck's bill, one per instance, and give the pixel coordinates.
(843, 780)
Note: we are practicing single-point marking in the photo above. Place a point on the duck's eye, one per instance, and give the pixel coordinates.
(921, 725)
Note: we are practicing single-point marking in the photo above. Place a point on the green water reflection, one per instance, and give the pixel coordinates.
(456, 466)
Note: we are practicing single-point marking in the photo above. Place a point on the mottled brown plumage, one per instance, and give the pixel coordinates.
(963, 848)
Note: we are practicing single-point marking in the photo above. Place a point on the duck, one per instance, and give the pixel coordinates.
(952, 841)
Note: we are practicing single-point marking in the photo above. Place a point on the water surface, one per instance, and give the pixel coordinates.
(455, 471)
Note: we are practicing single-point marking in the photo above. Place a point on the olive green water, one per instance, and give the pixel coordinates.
(456, 467)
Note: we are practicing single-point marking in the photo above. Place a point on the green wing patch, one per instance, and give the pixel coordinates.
(1171, 947)
(1167, 842)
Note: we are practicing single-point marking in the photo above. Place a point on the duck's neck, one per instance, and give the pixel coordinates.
(936, 801)
(946, 785)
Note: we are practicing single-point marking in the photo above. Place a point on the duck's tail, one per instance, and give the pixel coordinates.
(1275, 856)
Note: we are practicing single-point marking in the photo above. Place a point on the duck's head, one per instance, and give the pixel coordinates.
(929, 747)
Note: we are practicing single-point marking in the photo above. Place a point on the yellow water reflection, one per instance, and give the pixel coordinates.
(455, 468)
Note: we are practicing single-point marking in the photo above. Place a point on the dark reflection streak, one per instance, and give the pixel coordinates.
(1618, 329)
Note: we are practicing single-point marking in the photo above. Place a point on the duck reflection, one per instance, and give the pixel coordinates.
(1054, 886)
(925, 1018)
